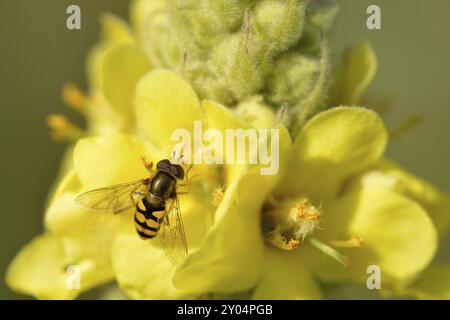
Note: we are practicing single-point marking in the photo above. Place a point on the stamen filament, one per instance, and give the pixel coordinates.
(332, 253)
(406, 125)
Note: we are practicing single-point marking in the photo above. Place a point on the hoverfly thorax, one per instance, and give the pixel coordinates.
(163, 184)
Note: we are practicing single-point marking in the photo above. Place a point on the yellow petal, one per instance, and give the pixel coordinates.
(164, 103)
(388, 175)
(115, 30)
(398, 235)
(41, 269)
(353, 75)
(141, 10)
(78, 229)
(68, 182)
(256, 113)
(142, 269)
(285, 277)
(120, 69)
(433, 284)
(105, 161)
(230, 256)
(331, 147)
(221, 118)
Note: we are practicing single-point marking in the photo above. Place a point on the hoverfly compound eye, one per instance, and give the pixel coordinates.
(177, 171)
(164, 165)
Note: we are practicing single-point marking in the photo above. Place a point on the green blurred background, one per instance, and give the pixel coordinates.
(38, 55)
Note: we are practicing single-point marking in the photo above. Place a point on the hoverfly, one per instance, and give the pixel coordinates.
(157, 206)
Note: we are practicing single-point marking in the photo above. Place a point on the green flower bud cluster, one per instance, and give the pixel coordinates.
(230, 50)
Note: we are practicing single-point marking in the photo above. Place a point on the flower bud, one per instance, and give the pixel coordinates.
(280, 23)
(294, 77)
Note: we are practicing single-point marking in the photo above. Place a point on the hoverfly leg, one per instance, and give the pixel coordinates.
(147, 165)
(139, 193)
(187, 172)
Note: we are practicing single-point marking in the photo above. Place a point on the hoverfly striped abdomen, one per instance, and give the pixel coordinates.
(148, 218)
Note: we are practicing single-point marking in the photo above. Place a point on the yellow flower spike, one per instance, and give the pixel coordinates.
(105, 161)
(165, 96)
(121, 67)
(353, 75)
(285, 277)
(330, 148)
(399, 237)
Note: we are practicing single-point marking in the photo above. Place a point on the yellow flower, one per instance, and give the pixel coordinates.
(105, 246)
(264, 237)
(113, 67)
(386, 175)
(334, 146)
(228, 252)
(351, 77)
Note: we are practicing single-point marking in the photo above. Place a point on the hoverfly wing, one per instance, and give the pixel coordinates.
(172, 236)
(114, 198)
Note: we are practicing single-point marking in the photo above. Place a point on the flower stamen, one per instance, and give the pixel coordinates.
(63, 129)
(353, 242)
(146, 164)
(281, 242)
(217, 196)
(74, 97)
(289, 223)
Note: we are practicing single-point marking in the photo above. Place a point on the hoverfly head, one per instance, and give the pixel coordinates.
(173, 169)
(177, 171)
